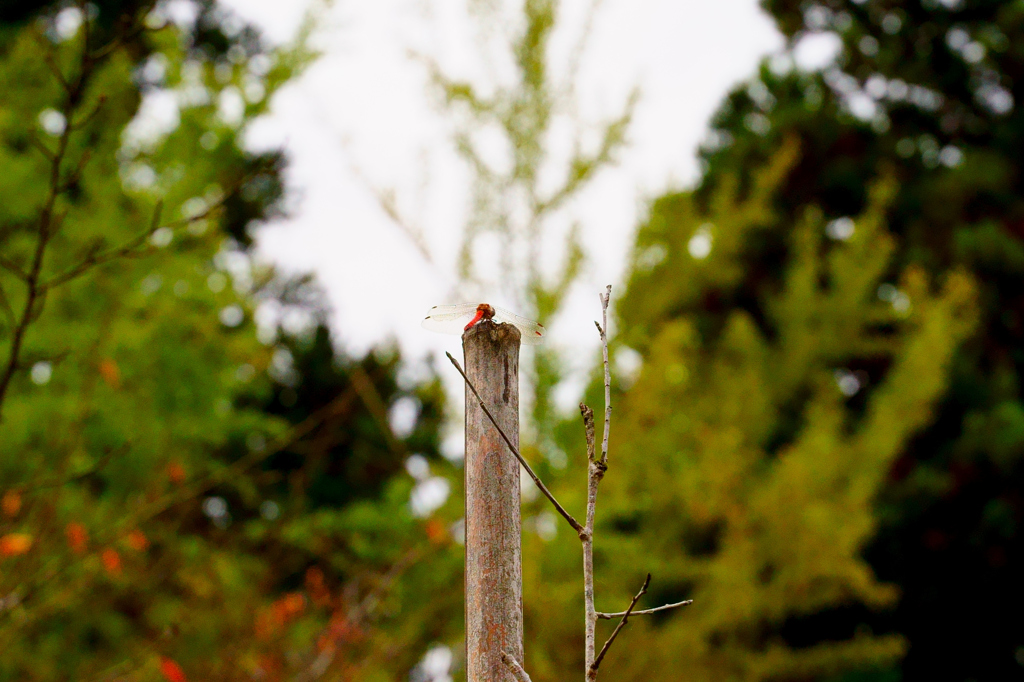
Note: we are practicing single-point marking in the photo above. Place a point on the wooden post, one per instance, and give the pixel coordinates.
(494, 572)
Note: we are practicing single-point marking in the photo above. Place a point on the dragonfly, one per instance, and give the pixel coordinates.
(455, 319)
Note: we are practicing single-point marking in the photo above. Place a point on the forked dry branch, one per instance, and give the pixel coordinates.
(597, 466)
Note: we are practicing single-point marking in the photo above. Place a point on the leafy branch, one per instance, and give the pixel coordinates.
(49, 219)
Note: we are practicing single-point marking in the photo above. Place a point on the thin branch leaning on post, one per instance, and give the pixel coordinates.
(513, 665)
(515, 451)
(597, 466)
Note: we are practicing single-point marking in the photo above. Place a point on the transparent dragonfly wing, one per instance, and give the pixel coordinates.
(532, 332)
(449, 319)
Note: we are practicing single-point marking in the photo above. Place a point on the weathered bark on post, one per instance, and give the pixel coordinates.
(494, 574)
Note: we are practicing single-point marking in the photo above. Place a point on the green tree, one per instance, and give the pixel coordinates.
(931, 91)
(753, 441)
(514, 198)
(151, 519)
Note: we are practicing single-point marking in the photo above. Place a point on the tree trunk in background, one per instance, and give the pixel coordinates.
(494, 574)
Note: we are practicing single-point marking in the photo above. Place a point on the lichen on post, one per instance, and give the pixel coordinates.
(494, 592)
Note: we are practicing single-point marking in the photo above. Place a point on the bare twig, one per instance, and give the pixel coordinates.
(388, 203)
(45, 227)
(133, 247)
(74, 176)
(513, 665)
(95, 258)
(84, 121)
(5, 305)
(40, 146)
(108, 49)
(55, 68)
(605, 297)
(515, 451)
(595, 471)
(596, 468)
(592, 673)
(126, 35)
(56, 482)
(13, 268)
(645, 612)
(371, 398)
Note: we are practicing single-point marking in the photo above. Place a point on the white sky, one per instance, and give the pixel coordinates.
(362, 115)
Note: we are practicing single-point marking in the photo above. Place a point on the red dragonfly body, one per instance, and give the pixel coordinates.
(455, 319)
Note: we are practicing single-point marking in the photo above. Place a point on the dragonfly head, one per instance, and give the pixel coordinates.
(484, 311)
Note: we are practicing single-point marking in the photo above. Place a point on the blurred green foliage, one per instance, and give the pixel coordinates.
(929, 92)
(747, 453)
(185, 492)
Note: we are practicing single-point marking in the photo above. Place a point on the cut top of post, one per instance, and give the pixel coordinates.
(497, 334)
